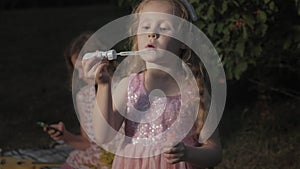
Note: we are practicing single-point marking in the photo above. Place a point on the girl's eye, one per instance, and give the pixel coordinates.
(145, 27)
(164, 28)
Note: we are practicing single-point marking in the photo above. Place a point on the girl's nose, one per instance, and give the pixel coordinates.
(152, 36)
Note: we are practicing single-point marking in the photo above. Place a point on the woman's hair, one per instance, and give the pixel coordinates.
(73, 50)
(187, 55)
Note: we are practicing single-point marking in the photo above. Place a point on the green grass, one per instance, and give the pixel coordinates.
(249, 150)
(249, 142)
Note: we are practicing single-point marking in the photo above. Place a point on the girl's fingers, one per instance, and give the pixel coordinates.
(57, 134)
(52, 132)
(174, 156)
(55, 130)
(102, 74)
(102, 68)
(172, 150)
(61, 126)
(175, 150)
(173, 161)
(97, 70)
(45, 129)
(89, 64)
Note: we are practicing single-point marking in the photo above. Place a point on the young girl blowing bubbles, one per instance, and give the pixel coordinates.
(133, 93)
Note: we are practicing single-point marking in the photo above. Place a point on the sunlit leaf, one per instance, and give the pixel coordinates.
(249, 20)
(224, 7)
(220, 27)
(257, 50)
(211, 29)
(245, 33)
(210, 12)
(272, 5)
(236, 3)
(240, 47)
(239, 69)
(262, 16)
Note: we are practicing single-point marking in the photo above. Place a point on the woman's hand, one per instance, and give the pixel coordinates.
(176, 153)
(96, 68)
(56, 131)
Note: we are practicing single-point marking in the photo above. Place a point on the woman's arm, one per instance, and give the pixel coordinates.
(208, 155)
(79, 142)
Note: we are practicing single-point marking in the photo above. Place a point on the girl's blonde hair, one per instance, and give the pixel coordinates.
(187, 55)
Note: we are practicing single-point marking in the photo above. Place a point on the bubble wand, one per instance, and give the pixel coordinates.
(112, 54)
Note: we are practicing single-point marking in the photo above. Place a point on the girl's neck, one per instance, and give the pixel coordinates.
(159, 79)
(165, 69)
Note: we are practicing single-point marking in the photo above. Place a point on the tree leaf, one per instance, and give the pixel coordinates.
(287, 43)
(200, 25)
(239, 69)
(210, 12)
(245, 33)
(220, 27)
(236, 3)
(224, 7)
(240, 47)
(272, 6)
(257, 50)
(262, 16)
(211, 29)
(249, 20)
(193, 1)
(262, 29)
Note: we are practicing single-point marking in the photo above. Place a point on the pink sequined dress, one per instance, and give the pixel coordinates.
(145, 139)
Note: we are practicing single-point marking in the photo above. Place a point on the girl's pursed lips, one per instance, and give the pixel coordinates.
(150, 45)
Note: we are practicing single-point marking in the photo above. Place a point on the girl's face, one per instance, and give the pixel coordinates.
(148, 24)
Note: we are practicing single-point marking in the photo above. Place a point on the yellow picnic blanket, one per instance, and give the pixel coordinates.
(18, 163)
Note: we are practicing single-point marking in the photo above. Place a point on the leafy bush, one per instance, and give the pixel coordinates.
(258, 36)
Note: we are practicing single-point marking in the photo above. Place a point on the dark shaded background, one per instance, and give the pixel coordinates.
(34, 79)
(21, 4)
(34, 86)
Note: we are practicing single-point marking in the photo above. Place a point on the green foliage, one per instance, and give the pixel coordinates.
(250, 34)
(244, 32)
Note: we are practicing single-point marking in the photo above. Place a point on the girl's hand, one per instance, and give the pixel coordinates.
(176, 153)
(96, 68)
(56, 131)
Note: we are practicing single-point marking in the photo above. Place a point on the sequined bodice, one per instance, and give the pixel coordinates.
(161, 114)
(154, 116)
